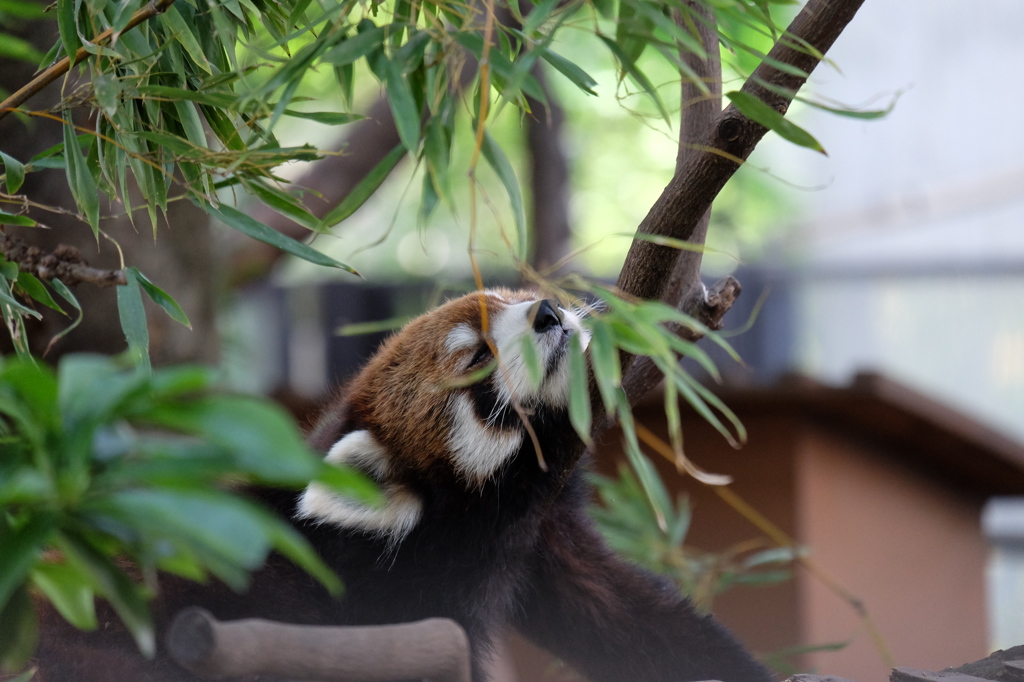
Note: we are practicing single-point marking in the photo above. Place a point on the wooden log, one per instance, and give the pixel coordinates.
(435, 649)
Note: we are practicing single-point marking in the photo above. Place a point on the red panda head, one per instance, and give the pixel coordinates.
(411, 416)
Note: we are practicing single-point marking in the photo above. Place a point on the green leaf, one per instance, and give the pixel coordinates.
(503, 168)
(19, 549)
(66, 294)
(68, 26)
(630, 67)
(7, 298)
(579, 392)
(263, 440)
(220, 528)
(183, 33)
(531, 360)
(326, 117)
(289, 542)
(14, 172)
(366, 187)
(133, 320)
(583, 80)
(19, 631)
(20, 220)
(604, 358)
(69, 592)
(359, 45)
(80, 180)
(282, 202)
(403, 107)
(109, 581)
(28, 283)
(160, 297)
(253, 228)
(759, 112)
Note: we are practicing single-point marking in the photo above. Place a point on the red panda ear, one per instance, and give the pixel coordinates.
(398, 515)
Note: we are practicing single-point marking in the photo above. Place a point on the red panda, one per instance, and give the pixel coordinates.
(473, 528)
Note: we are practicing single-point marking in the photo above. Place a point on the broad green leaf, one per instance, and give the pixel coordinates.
(133, 320)
(160, 297)
(366, 187)
(68, 591)
(19, 549)
(128, 599)
(503, 169)
(19, 631)
(293, 545)
(260, 232)
(264, 441)
(759, 112)
(14, 171)
(220, 528)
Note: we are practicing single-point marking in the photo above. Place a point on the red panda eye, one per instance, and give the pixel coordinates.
(483, 354)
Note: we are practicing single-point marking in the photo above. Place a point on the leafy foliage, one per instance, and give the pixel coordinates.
(627, 522)
(109, 472)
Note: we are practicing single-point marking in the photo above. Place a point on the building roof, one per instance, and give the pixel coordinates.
(921, 431)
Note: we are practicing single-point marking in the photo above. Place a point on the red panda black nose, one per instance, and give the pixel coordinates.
(546, 317)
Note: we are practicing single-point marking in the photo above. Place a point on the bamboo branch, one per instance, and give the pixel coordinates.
(55, 71)
(650, 269)
(436, 649)
(65, 264)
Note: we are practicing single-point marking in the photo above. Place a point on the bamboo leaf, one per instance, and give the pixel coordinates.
(253, 228)
(503, 169)
(133, 320)
(759, 112)
(31, 285)
(579, 393)
(160, 297)
(14, 173)
(366, 187)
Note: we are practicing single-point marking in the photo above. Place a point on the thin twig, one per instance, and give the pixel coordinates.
(52, 73)
(64, 263)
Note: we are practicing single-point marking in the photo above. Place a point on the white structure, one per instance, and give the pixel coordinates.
(911, 245)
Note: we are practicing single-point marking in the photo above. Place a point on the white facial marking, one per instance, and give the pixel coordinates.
(463, 337)
(399, 514)
(478, 450)
(508, 329)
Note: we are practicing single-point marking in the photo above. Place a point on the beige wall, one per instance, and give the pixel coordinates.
(909, 547)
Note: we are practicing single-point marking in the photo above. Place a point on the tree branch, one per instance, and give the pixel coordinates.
(435, 649)
(154, 8)
(697, 114)
(65, 264)
(650, 269)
